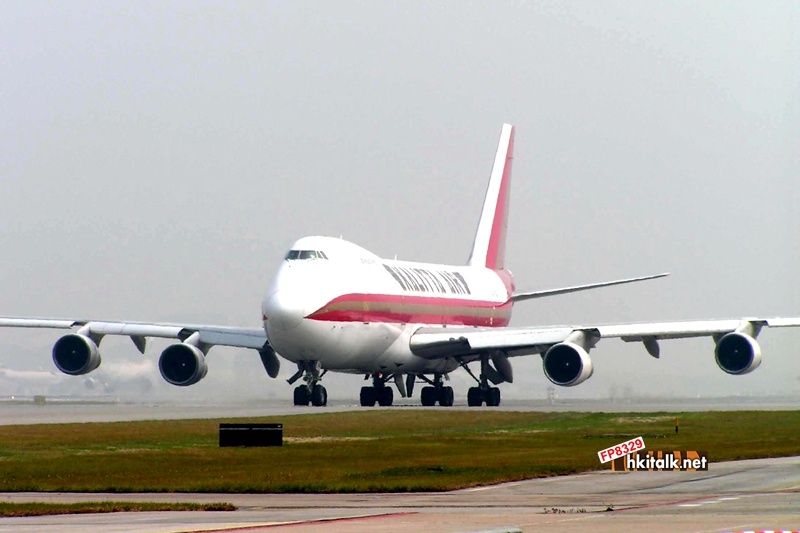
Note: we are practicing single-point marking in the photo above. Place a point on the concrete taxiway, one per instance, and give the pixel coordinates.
(732, 496)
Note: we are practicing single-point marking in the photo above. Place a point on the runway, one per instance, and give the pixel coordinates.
(732, 496)
(77, 411)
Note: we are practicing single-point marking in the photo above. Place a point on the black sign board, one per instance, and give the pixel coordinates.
(250, 435)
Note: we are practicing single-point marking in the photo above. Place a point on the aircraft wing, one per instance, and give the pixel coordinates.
(469, 343)
(77, 353)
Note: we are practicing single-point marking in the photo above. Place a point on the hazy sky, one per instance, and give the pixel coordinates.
(159, 157)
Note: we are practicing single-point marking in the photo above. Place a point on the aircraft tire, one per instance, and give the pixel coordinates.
(385, 396)
(368, 396)
(475, 397)
(319, 396)
(301, 396)
(493, 397)
(428, 396)
(446, 397)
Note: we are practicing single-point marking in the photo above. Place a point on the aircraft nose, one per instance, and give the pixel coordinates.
(283, 311)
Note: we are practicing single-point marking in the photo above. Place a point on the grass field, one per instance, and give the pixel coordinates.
(369, 450)
(38, 508)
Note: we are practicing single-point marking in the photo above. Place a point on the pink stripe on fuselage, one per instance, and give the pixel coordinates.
(413, 309)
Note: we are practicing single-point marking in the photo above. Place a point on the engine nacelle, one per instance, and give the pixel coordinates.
(737, 353)
(76, 354)
(567, 364)
(182, 364)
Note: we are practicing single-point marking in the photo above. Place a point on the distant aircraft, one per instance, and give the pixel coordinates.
(334, 306)
(28, 382)
(116, 378)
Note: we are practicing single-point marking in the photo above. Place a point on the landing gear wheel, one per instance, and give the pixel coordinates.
(385, 396)
(428, 396)
(319, 396)
(475, 397)
(301, 395)
(446, 396)
(368, 396)
(493, 397)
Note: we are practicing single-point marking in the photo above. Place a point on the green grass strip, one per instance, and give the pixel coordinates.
(41, 508)
(370, 450)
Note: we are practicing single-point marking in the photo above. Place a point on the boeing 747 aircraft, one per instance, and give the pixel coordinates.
(334, 306)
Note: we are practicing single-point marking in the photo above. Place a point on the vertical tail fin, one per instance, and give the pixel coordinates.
(488, 248)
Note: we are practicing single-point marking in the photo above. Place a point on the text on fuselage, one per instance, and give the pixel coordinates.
(424, 280)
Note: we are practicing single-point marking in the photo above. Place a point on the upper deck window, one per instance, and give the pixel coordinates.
(294, 255)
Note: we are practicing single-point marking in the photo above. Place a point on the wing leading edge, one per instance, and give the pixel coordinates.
(254, 338)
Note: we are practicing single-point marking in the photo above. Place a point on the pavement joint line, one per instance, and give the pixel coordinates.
(339, 519)
(493, 487)
(259, 526)
(234, 527)
(717, 530)
(680, 503)
(509, 529)
(586, 516)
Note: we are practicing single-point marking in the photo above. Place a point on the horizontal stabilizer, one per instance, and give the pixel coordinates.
(518, 297)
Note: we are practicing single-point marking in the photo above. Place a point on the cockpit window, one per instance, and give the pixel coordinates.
(294, 255)
(308, 254)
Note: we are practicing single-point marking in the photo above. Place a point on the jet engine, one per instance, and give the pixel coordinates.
(182, 364)
(737, 353)
(567, 364)
(76, 354)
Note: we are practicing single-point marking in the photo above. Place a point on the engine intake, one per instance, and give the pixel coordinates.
(737, 353)
(76, 354)
(182, 364)
(567, 364)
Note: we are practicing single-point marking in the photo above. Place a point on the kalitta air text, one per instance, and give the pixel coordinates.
(657, 461)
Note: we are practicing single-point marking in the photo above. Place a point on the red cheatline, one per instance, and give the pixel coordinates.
(414, 309)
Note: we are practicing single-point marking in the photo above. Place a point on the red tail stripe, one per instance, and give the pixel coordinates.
(497, 239)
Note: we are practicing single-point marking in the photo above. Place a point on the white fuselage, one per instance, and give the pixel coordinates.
(334, 302)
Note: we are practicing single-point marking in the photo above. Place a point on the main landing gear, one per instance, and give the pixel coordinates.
(311, 391)
(436, 392)
(476, 396)
(378, 393)
(383, 395)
